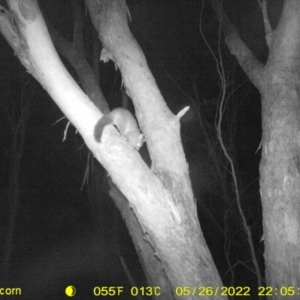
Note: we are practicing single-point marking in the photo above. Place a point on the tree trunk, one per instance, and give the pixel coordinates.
(278, 82)
(161, 197)
(280, 174)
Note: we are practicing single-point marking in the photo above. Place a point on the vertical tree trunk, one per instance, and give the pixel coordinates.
(278, 82)
(280, 176)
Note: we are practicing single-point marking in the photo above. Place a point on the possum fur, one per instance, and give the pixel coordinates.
(126, 124)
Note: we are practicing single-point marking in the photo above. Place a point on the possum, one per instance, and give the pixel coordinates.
(126, 124)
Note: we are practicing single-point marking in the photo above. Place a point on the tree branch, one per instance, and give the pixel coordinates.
(251, 66)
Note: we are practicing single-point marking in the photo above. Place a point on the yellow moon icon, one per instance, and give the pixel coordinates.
(70, 291)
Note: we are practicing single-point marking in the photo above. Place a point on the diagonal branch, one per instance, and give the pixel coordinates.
(251, 66)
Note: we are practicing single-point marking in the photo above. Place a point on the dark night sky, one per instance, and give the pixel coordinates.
(56, 214)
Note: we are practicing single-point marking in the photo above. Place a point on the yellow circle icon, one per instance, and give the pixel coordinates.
(70, 291)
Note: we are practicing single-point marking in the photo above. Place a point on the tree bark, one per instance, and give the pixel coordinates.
(161, 197)
(278, 82)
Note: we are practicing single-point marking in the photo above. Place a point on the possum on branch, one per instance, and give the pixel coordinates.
(126, 124)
